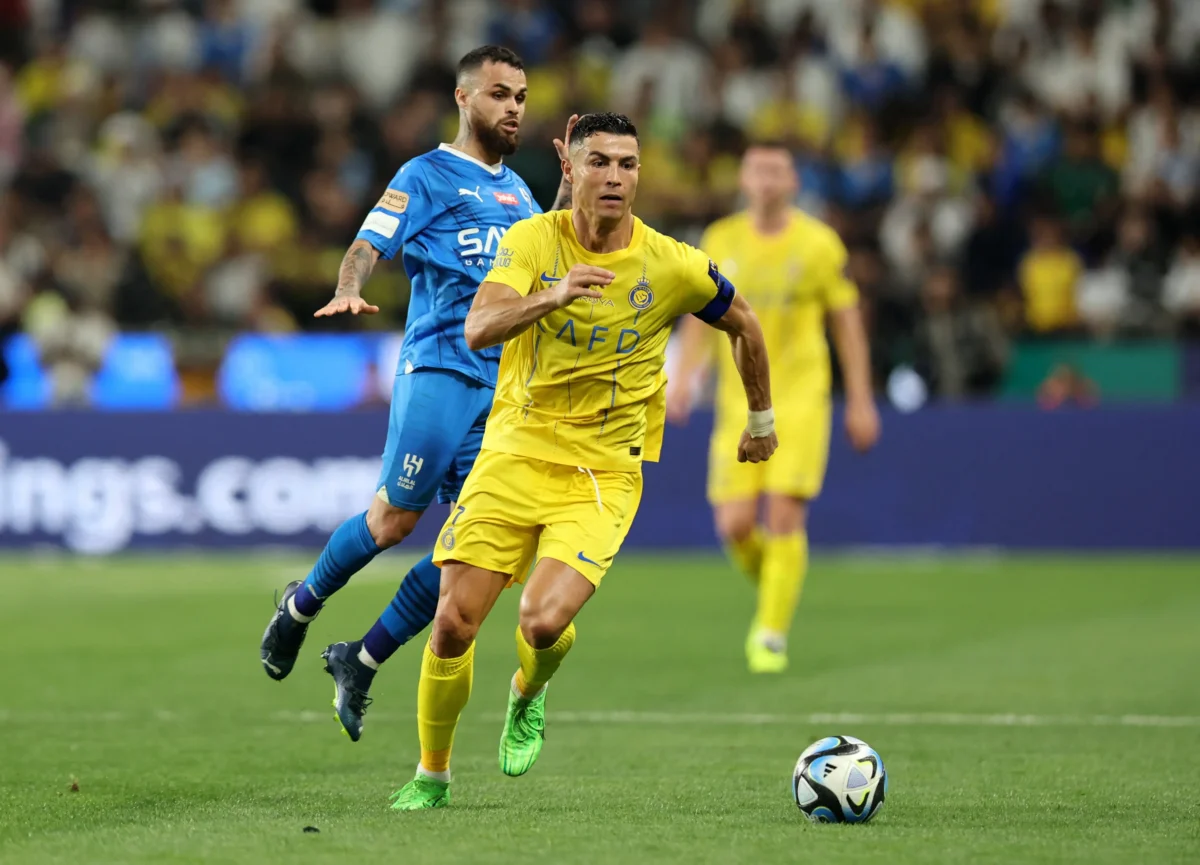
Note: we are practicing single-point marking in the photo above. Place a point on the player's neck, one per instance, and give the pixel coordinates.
(771, 219)
(469, 144)
(601, 236)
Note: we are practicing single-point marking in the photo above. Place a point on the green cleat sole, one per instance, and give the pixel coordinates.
(338, 718)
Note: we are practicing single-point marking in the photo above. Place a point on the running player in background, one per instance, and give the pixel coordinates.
(447, 210)
(584, 302)
(792, 268)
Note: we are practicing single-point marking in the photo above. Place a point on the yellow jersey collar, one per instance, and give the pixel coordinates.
(601, 259)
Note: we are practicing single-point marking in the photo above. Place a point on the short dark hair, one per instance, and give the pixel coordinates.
(602, 121)
(475, 58)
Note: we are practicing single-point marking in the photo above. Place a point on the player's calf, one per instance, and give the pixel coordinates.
(737, 527)
(784, 564)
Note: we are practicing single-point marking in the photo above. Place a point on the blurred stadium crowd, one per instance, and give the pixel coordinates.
(1000, 169)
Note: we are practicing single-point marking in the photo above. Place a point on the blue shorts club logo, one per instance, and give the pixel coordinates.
(640, 296)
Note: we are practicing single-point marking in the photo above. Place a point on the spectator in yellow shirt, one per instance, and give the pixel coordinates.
(263, 219)
(1048, 275)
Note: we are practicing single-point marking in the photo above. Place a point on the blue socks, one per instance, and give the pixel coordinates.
(349, 550)
(408, 613)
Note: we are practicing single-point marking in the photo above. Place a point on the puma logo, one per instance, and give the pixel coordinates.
(469, 192)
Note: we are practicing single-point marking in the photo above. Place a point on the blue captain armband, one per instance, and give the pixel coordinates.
(719, 305)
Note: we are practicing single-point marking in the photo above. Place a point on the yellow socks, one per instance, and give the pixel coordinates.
(445, 687)
(747, 555)
(784, 563)
(538, 665)
(442, 693)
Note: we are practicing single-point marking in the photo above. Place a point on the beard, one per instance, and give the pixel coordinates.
(496, 140)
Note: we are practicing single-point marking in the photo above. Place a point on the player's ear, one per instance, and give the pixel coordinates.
(568, 169)
(461, 96)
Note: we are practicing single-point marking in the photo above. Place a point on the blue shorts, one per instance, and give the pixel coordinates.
(434, 433)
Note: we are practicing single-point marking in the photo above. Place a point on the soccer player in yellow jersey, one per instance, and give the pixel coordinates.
(791, 268)
(584, 301)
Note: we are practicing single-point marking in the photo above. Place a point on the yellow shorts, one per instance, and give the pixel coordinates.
(515, 510)
(797, 469)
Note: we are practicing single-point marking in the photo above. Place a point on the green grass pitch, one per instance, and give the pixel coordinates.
(1029, 709)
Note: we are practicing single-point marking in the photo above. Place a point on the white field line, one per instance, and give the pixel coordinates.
(668, 719)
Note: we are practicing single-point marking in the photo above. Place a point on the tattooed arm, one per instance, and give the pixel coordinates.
(750, 355)
(563, 200)
(356, 269)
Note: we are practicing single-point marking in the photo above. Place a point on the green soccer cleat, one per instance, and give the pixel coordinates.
(524, 733)
(764, 656)
(420, 793)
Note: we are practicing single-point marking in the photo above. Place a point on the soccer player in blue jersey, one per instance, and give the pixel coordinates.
(447, 211)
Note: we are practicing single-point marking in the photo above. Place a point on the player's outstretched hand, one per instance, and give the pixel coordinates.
(352, 305)
(563, 145)
(862, 424)
(580, 281)
(756, 450)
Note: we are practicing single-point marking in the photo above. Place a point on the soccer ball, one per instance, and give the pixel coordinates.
(839, 779)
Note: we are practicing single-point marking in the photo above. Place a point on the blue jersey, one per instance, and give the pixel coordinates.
(448, 212)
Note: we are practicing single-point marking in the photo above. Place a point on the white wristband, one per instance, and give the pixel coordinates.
(762, 423)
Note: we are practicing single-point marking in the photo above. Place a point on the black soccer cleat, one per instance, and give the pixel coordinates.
(351, 681)
(283, 638)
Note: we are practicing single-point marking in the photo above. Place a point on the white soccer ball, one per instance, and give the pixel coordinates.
(839, 779)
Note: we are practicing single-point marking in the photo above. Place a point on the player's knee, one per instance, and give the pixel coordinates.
(786, 515)
(388, 524)
(542, 632)
(543, 623)
(735, 526)
(454, 629)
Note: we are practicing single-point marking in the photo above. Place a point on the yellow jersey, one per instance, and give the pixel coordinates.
(584, 386)
(792, 279)
(1048, 278)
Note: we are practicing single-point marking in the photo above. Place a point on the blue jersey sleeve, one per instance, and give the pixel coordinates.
(404, 210)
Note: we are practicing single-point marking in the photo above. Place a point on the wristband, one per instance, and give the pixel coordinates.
(762, 423)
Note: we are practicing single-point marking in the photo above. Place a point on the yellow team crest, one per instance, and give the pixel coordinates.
(641, 296)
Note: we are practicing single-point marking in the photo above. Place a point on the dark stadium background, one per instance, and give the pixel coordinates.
(1017, 182)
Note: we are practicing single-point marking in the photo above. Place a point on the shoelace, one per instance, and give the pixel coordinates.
(526, 719)
(358, 700)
